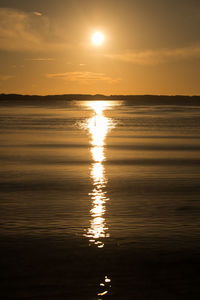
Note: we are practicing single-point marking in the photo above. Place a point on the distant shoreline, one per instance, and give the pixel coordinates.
(132, 99)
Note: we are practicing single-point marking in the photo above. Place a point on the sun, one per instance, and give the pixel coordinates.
(98, 38)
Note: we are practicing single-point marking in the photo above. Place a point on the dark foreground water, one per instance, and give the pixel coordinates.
(99, 200)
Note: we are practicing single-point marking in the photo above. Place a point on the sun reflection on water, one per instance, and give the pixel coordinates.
(98, 126)
(105, 286)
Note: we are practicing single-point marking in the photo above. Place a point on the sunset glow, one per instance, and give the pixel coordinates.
(99, 47)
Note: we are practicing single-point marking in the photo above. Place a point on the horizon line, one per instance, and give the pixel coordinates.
(102, 95)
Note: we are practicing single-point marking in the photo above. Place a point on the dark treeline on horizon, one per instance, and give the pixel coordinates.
(133, 99)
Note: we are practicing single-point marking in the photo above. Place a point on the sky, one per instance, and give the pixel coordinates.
(150, 47)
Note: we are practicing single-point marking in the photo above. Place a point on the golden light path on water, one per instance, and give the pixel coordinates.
(98, 126)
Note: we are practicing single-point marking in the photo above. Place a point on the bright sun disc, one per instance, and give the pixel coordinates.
(97, 38)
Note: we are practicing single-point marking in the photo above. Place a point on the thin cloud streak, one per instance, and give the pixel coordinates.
(5, 77)
(40, 59)
(37, 13)
(82, 76)
(154, 57)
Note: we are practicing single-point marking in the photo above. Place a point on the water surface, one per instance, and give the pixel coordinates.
(99, 199)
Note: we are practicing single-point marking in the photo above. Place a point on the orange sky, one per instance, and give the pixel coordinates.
(151, 47)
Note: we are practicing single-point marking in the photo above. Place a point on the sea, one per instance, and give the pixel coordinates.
(99, 200)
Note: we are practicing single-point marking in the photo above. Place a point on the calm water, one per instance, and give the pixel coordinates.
(99, 200)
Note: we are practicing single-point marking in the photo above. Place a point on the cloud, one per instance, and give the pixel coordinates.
(40, 59)
(16, 30)
(82, 76)
(37, 13)
(22, 31)
(153, 57)
(5, 77)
